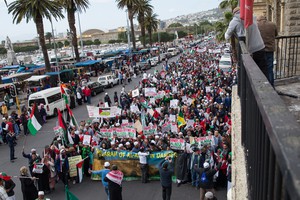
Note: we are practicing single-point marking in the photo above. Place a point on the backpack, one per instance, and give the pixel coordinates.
(203, 178)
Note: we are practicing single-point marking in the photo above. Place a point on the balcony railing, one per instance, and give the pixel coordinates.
(287, 57)
(270, 136)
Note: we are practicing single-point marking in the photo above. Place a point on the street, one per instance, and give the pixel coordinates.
(88, 189)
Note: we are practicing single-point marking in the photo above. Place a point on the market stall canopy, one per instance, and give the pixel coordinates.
(86, 63)
(37, 78)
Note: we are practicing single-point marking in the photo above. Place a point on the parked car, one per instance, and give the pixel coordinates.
(144, 65)
(108, 80)
(152, 61)
(95, 87)
(225, 64)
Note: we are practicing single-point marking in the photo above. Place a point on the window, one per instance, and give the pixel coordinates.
(54, 98)
(102, 78)
(37, 101)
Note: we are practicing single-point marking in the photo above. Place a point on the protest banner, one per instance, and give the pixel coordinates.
(86, 140)
(202, 141)
(150, 130)
(152, 101)
(160, 95)
(150, 92)
(124, 121)
(177, 144)
(106, 133)
(72, 165)
(131, 132)
(135, 93)
(103, 112)
(128, 162)
(166, 127)
(120, 133)
(127, 125)
(207, 88)
(58, 130)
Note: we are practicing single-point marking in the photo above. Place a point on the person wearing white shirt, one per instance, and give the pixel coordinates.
(3, 194)
(144, 165)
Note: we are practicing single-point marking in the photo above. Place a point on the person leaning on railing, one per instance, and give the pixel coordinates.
(255, 42)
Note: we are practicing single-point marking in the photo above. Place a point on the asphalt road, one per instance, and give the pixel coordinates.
(88, 189)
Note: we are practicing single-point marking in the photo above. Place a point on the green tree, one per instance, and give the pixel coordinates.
(221, 26)
(181, 34)
(140, 9)
(66, 43)
(97, 42)
(228, 4)
(129, 4)
(123, 36)
(71, 6)
(151, 23)
(60, 44)
(174, 25)
(48, 37)
(36, 10)
(2, 50)
(88, 43)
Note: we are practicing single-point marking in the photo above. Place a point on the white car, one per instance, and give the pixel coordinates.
(108, 80)
(225, 64)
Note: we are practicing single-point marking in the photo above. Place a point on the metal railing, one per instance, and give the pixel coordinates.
(270, 136)
(287, 54)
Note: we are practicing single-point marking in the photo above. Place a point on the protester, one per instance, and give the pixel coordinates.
(3, 194)
(206, 178)
(268, 31)
(114, 179)
(103, 174)
(24, 122)
(62, 166)
(27, 185)
(166, 171)
(43, 113)
(9, 186)
(4, 110)
(32, 158)
(255, 42)
(144, 165)
(42, 173)
(41, 196)
(210, 196)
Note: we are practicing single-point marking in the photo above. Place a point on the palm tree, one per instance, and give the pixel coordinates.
(140, 9)
(221, 26)
(48, 37)
(36, 10)
(129, 4)
(228, 4)
(71, 7)
(151, 23)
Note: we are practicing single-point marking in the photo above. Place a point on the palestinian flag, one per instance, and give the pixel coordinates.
(63, 92)
(35, 121)
(70, 195)
(180, 119)
(61, 122)
(155, 114)
(79, 167)
(73, 121)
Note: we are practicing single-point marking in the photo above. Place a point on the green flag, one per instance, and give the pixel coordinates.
(70, 195)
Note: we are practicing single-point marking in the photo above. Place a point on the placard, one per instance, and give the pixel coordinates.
(150, 130)
(190, 123)
(106, 133)
(72, 165)
(138, 126)
(172, 118)
(174, 90)
(134, 109)
(174, 103)
(166, 127)
(174, 127)
(135, 93)
(86, 140)
(202, 141)
(150, 92)
(177, 144)
(58, 130)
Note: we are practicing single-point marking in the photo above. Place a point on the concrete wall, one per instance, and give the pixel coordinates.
(239, 174)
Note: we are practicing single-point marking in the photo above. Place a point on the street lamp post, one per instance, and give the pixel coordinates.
(55, 50)
(81, 42)
(128, 33)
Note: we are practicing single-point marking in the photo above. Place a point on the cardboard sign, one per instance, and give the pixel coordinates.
(86, 140)
(134, 109)
(177, 144)
(58, 130)
(150, 130)
(190, 123)
(72, 165)
(166, 127)
(202, 141)
(160, 95)
(174, 127)
(138, 126)
(174, 90)
(172, 118)
(106, 133)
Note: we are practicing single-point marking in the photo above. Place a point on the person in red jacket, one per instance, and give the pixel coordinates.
(87, 93)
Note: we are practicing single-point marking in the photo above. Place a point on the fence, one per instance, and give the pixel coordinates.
(287, 54)
(270, 136)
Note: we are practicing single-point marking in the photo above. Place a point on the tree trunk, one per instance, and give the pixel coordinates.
(143, 28)
(130, 16)
(71, 20)
(150, 37)
(40, 30)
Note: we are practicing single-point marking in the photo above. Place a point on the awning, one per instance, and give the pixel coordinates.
(36, 78)
(86, 63)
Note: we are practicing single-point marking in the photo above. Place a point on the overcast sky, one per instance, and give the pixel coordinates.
(102, 14)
